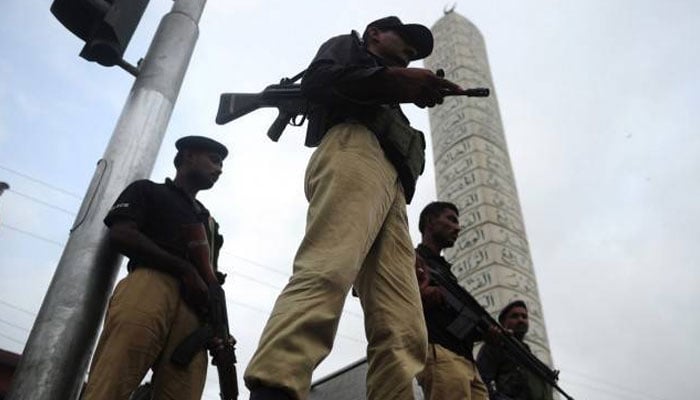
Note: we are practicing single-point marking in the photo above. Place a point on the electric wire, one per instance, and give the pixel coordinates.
(225, 251)
(616, 395)
(340, 335)
(42, 202)
(256, 280)
(54, 242)
(249, 261)
(31, 234)
(236, 273)
(41, 182)
(613, 386)
(268, 268)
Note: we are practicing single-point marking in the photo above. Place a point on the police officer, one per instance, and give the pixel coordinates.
(450, 372)
(358, 182)
(156, 305)
(506, 379)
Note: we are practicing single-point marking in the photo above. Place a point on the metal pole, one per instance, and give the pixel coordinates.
(57, 352)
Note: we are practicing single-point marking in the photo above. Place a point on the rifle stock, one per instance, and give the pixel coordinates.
(236, 105)
(287, 98)
(471, 315)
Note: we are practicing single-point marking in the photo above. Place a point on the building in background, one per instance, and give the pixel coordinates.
(491, 258)
(348, 383)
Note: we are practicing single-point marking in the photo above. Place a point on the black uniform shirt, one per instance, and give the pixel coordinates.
(341, 65)
(160, 210)
(438, 318)
(503, 376)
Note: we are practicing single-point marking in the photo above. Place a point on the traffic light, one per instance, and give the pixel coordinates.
(106, 26)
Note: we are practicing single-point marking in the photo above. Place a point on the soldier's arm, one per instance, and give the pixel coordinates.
(125, 236)
(431, 296)
(124, 219)
(487, 362)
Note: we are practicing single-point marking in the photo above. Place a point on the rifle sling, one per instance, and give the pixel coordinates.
(194, 342)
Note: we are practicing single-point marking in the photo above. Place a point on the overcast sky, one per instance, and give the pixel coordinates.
(598, 103)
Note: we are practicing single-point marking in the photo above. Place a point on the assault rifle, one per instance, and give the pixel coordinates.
(216, 327)
(471, 315)
(293, 107)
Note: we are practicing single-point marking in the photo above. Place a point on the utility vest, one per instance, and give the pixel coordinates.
(402, 145)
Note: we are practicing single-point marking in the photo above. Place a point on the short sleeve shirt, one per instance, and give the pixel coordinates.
(160, 210)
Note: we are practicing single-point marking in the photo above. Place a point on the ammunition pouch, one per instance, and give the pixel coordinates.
(403, 145)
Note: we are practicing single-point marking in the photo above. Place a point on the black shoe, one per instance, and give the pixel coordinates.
(268, 393)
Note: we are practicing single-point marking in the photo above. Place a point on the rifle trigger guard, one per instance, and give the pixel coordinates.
(295, 120)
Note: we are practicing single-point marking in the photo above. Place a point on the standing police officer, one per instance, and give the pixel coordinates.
(506, 379)
(450, 372)
(156, 305)
(358, 182)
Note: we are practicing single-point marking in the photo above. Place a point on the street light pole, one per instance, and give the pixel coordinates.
(58, 350)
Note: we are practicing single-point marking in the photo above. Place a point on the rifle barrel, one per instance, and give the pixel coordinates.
(519, 353)
(474, 92)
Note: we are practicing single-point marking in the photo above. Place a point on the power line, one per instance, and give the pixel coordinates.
(39, 181)
(275, 270)
(34, 235)
(345, 311)
(39, 237)
(263, 266)
(615, 386)
(268, 284)
(42, 202)
(340, 335)
(601, 390)
(249, 306)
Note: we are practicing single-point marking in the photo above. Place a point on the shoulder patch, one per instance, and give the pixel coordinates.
(119, 205)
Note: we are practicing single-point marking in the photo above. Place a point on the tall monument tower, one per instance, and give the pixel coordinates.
(491, 258)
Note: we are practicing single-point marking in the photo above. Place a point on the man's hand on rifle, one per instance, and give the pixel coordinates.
(216, 346)
(419, 86)
(220, 277)
(196, 291)
(495, 335)
(431, 295)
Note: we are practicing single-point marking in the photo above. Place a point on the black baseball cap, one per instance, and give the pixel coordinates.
(416, 35)
(201, 143)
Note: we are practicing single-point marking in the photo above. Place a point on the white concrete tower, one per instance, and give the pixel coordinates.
(491, 258)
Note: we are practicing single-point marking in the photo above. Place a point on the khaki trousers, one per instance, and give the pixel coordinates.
(449, 376)
(356, 233)
(145, 321)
